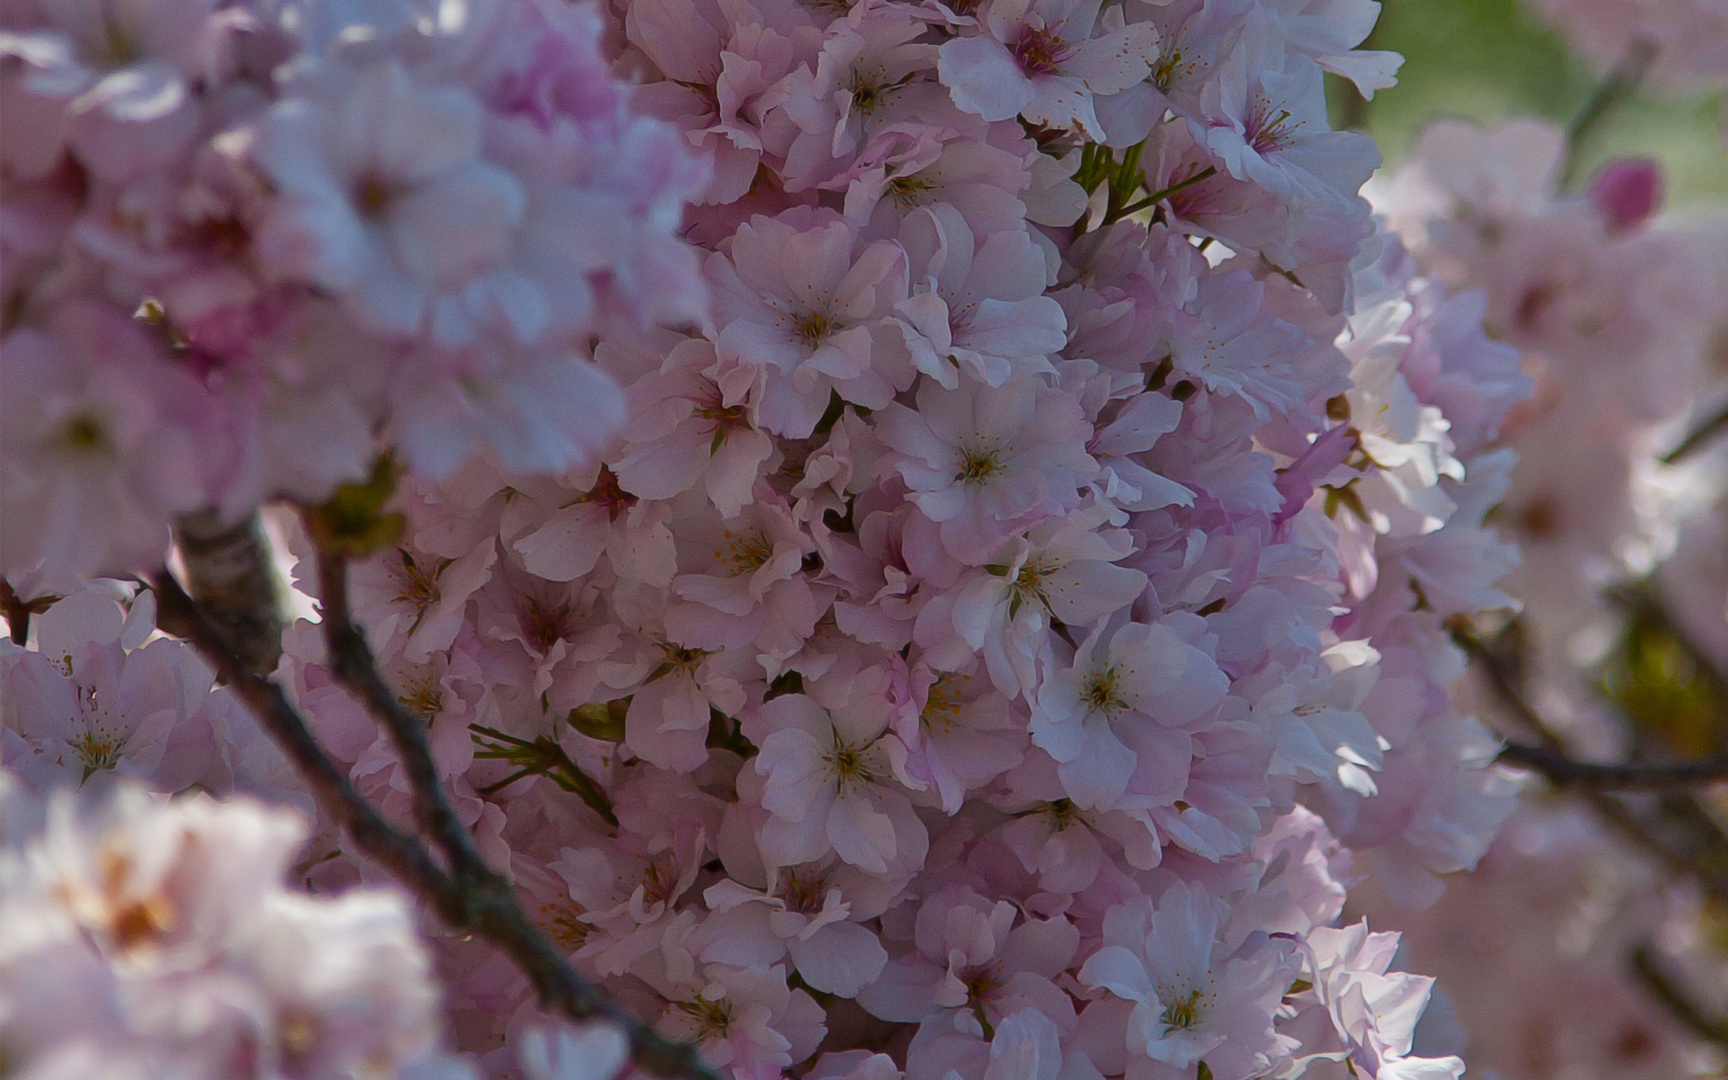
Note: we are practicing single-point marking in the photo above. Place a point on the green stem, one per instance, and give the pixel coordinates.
(1159, 196)
(1613, 91)
(541, 757)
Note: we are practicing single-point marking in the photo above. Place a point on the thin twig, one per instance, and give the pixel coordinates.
(403, 855)
(1619, 84)
(485, 905)
(1159, 196)
(1701, 866)
(1698, 437)
(1561, 770)
(1674, 999)
(352, 663)
(1505, 687)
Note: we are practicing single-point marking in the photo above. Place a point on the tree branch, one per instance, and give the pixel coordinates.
(17, 611)
(403, 855)
(1505, 686)
(1678, 1003)
(1619, 84)
(228, 572)
(477, 899)
(1700, 436)
(352, 663)
(1682, 844)
(1561, 770)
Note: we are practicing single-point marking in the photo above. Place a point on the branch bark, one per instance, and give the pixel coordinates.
(228, 572)
(403, 855)
(470, 896)
(1679, 1004)
(1686, 841)
(1561, 770)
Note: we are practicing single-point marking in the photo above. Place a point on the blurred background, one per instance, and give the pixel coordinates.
(1592, 942)
(1491, 60)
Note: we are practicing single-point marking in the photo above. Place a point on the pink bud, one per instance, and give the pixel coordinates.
(1627, 192)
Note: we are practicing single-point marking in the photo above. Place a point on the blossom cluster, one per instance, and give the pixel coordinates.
(153, 939)
(1619, 314)
(964, 597)
(247, 246)
(1619, 504)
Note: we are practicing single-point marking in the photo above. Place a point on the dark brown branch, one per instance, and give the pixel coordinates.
(484, 905)
(1678, 1003)
(17, 611)
(1696, 854)
(1559, 769)
(228, 573)
(403, 855)
(493, 911)
(1505, 686)
(1563, 770)
(352, 663)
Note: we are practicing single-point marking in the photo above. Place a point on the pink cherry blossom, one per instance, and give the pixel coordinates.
(1044, 60)
(982, 461)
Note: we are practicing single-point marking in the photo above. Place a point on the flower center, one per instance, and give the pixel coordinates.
(608, 495)
(117, 47)
(870, 90)
(84, 434)
(423, 697)
(563, 924)
(804, 893)
(544, 626)
(659, 879)
(712, 1017)
(98, 749)
(1165, 71)
(942, 704)
(1039, 52)
(373, 196)
(1269, 132)
(1101, 693)
(981, 983)
(812, 327)
(1028, 584)
(849, 764)
(1062, 812)
(415, 586)
(907, 191)
(678, 658)
(745, 554)
(1183, 1012)
(711, 406)
(707, 92)
(979, 463)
